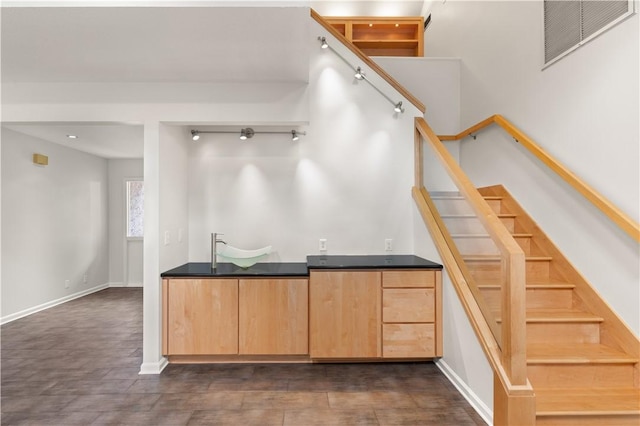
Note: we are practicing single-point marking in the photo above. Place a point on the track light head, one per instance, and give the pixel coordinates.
(324, 43)
(398, 107)
(294, 135)
(195, 135)
(359, 75)
(246, 133)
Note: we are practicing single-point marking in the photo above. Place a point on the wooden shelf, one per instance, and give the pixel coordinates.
(376, 36)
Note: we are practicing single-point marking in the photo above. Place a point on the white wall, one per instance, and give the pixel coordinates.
(119, 172)
(54, 224)
(436, 82)
(348, 180)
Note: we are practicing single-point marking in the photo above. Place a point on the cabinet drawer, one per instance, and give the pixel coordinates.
(408, 279)
(408, 340)
(408, 305)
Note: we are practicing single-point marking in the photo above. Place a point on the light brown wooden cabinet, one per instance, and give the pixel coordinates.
(273, 317)
(201, 316)
(375, 314)
(216, 316)
(344, 314)
(382, 36)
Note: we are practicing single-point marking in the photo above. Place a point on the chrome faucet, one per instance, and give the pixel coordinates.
(214, 249)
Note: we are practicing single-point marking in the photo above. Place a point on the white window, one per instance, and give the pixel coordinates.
(135, 208)
(568, 24)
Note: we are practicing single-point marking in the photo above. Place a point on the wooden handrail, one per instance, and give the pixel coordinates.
(617, 216)
(375, 67)
(513, 334)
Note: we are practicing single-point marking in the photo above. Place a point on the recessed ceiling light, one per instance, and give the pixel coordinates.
(72, 136)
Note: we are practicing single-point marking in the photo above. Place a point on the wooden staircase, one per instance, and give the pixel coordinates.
(582, 360)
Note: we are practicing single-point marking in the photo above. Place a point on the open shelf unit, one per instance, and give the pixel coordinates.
(380, 36)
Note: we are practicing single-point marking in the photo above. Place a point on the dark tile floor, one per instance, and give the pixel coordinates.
(78, 363)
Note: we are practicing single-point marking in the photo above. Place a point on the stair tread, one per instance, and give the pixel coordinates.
(533, 285)
(575, 353)
(470, 216)
(587, 401)
(492, 257)
(560, 315)
(516, 235)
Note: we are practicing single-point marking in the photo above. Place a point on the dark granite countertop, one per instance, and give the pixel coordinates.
(301, 269)
(370, 262)
(203, 269)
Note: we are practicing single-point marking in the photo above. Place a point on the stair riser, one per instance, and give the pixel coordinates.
(490, 272)
(587, 420)
(580, 375)
(487, 246)
(563, 332)
(463, 225)
(536, 298)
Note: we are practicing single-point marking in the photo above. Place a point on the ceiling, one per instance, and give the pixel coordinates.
(195, 44)
(106, 140)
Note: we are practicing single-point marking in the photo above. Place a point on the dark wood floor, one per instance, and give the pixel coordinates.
(78, 364)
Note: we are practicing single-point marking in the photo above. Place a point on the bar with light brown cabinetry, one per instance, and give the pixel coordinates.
(273, 317)
(200, 316)
(411, 314)
(344, 314)
(382, 36)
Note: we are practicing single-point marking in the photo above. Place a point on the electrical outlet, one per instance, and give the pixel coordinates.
(167, 238)
(67, 283)
(388, 244)
(322, 244)
(85, 278)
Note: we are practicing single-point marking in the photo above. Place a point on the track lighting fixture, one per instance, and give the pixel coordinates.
(295, 135)
(248, 133)
(360, 75)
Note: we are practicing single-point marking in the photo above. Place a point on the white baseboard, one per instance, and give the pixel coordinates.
(42, 307)
(481, 408)
(121, 284)
(153, 367)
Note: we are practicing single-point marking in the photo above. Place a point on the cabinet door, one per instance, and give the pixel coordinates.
(274, 317)
(202, 317)
(344, 314)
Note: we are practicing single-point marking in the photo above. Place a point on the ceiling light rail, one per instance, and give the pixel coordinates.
(248, 133)
(360, 75)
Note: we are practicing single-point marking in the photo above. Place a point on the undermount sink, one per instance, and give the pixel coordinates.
(243, 258)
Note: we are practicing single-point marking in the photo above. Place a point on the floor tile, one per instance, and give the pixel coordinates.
(257, 417)
(419, 416)
(354, 400)
(155, 418)
(285, 400)
(200, 401)
(328, 417)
